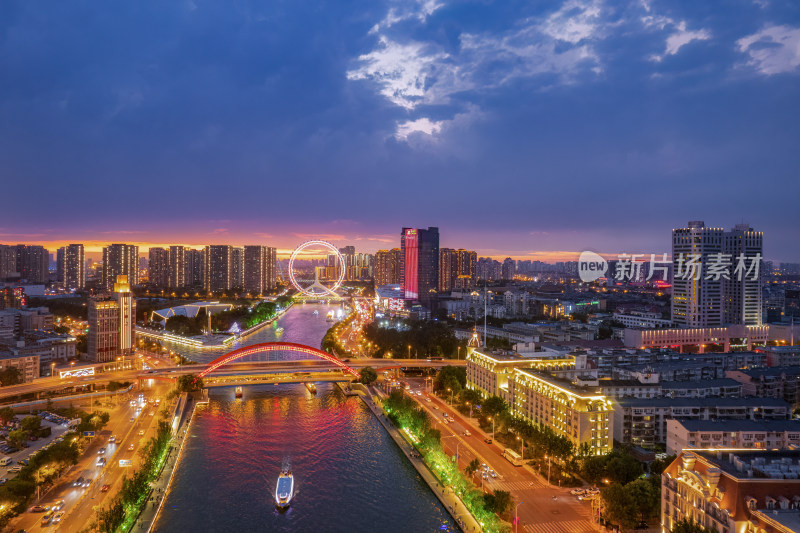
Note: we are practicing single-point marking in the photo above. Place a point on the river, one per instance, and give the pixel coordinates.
(349, 474)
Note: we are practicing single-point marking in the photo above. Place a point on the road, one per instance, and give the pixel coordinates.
(539, 512)
(79, 501)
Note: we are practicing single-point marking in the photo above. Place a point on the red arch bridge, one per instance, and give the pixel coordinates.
(266, 347)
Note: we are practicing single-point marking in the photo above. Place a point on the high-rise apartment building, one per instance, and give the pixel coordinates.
(467, 262)
(742, 297)
(218, 269)
(387, 267)
(237, 268)
(33, 263)
(177, 267)
(112, 323)
(456, 269)
(696, 299)
(72, 266)
(259, 269)
(120, 260)
(8, 262)
(448, 269)
(195, 265)
(716, 276)
(419, 268)
(509, 268)
(158, 267)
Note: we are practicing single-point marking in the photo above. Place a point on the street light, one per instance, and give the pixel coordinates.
(492, 419)
(470, 409)
(52, 368)
(548, 468)
(516, 517)
(409, 351)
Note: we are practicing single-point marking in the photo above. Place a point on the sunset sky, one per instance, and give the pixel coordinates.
(529, 129)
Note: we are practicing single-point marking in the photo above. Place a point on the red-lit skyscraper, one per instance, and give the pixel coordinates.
(419, 268)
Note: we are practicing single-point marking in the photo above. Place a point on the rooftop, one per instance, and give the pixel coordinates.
(764, 464)
(740, 425)
(749, 401)
(702, 384)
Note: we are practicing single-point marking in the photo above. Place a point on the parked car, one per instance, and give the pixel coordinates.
(487, 440)
(104, 488)
(38, 509)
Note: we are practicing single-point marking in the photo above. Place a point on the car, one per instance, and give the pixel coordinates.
(3, 481)
(38, 509)
(435, 407)
(46, 518)
(444, 421)
(101, 461)
(467, 433)
(141, 432)
(87, 482)
(428, 400)
(133, 419)
(58, 516)
(23, 462)
(584, 497)
(152, 413)
(104, 488)
(78, 482)
(577, 492)
(101, 451)
(493, 473)
(112, 439)
(131, 446)
(15, 469)
(487, 440)
(57, 505)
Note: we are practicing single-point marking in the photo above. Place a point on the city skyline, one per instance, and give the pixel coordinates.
(285, 247)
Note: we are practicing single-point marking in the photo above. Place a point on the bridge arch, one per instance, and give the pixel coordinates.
(254, 349)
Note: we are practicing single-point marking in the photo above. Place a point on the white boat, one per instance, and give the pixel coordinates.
(284, 490)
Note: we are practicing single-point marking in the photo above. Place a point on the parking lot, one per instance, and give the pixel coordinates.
(57, 427)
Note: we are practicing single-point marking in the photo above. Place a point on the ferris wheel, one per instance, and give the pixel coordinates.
(315, 287)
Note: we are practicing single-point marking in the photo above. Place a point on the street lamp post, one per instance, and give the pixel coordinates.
(409, 351)
(458, 353)
(52, 368)
(521, 447)
(492, 419)
(548, 468)
(470, 409)
(516, 516)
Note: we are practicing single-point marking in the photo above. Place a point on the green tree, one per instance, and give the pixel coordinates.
(6, 415)
(494, 406)
(620, 508)
(646, 498)
(16, 437)
(472, 467)
(594, 468)
(10, 376)
(368, 375)
(687, 525)
(623, 468)
(451, 377)
(189, 383)
(31, 424)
